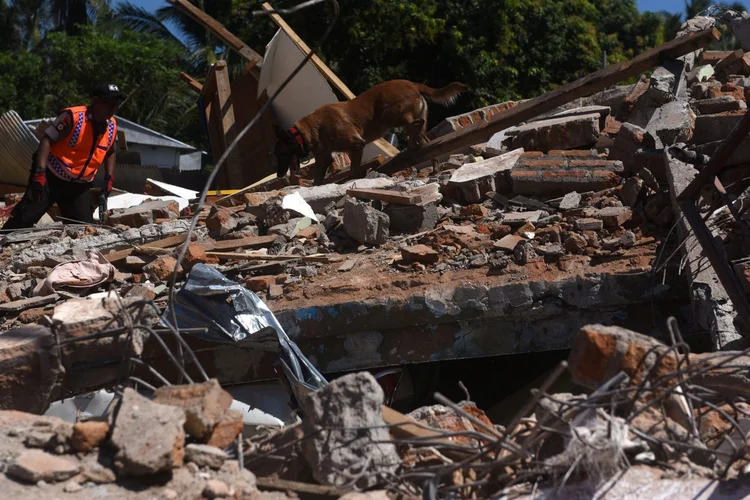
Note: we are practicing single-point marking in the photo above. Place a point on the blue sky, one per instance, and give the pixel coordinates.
(654, 5)
(669, 5)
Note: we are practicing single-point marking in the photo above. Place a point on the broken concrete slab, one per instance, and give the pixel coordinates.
(145, 213)
(204, 455)
(148, 436)
(411, 219)
(348, 437)
(204, 404)
(671, 123)
(473, 180)
(27, 359)
(589, 224)
(320, 196)
(711, 305)
(719, 104)
(36, 465)
(614, 216)
(716, 127)
(570, 200)
(521, 218)
(365, 224)
(557, 133)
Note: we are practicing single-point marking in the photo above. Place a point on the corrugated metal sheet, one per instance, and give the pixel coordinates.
(17, 146)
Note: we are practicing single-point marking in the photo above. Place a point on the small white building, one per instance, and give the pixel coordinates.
(155, 149)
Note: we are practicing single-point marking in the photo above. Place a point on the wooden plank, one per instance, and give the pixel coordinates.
(729, 60)
(386, 147)
(482, 131)
(220, 32)
(249, 242)
(269, 183)
(385, 195)
(170, 241)
(324, 258)
(194, 84)
(233, 167)
(713, 56)
(23, 304)
(316, 490)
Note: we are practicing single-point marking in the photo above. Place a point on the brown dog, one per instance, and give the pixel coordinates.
(348, 126)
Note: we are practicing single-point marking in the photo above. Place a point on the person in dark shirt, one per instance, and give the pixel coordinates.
(79, 141)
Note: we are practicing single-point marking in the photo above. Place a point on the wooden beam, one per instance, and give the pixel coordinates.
(220, 31)
(249, 242)
(315, 60)
(386, 147)
(729, 60)
(324, 258)
(482, 131)
(194, 84)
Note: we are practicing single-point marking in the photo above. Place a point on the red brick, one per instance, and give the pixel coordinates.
(88, 435)
(532, 154)
(464, 121)
(568, 153)
(420, 253)
(520, 173)
(476, 117)
(597, 163)
(227, 430)
(196, 254)
(260, 283)
(543, 163)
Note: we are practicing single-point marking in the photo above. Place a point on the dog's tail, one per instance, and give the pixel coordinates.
(446, 95)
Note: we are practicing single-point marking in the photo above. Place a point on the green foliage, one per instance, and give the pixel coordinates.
(53, 51)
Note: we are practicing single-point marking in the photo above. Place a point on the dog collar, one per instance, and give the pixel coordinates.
(300, 140)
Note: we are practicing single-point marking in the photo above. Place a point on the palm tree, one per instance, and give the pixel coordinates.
(10, 33)
(204, 48)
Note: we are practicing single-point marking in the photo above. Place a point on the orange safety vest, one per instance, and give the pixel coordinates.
(78, 156)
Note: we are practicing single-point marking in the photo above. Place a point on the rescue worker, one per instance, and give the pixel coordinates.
(69, 155)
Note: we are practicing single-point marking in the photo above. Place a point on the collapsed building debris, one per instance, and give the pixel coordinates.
(462, 249)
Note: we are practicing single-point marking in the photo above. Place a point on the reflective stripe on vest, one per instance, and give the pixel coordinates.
(78, 156)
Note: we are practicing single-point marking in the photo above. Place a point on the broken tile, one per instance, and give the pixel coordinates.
(419, 253)
(508, 242)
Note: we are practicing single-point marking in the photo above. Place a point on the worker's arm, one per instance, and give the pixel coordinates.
(109, 162)
(40, 157)
(59, 129)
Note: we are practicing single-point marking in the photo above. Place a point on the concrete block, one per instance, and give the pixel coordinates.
(364, 224)
(589, 224)
(320, 196)
(558, 133)
(673, 122)
(473, 180)
(718, 105)
(614, 216)
(710, 128)
(24, 352)
(411, 219)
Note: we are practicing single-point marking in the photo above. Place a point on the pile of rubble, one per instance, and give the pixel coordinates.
(591, 185)
(657, 413)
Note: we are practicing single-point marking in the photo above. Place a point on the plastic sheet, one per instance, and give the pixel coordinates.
(232, 313)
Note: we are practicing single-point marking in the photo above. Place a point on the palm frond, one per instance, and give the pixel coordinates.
(140, 20)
